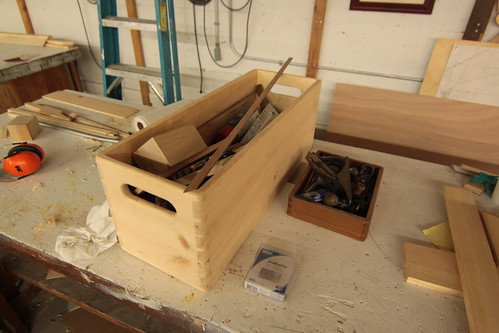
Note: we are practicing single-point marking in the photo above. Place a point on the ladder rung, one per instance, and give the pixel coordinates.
(135, 72)
(129, 23)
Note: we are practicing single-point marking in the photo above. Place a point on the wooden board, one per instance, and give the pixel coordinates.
(23, 39)
(432, 268)
(439, 57)
(491, 224)
(314, 48)
(88, 103)
(427, 128)
(437, 269)
(477, 269)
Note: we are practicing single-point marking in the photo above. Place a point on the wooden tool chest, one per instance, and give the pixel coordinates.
(198, 235)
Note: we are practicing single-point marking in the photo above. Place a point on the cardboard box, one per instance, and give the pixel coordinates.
(343, 222)
(198, 233)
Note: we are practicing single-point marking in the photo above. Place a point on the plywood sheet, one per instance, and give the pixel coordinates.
(471, 75)
(427, 128)
(438, 61)
(92, 104)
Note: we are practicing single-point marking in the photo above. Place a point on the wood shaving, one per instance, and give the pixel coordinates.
(37, 186)
(47, 223)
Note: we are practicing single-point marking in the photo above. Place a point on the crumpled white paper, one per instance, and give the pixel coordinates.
(86, 243)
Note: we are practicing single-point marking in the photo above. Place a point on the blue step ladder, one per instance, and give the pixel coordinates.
(113, 71)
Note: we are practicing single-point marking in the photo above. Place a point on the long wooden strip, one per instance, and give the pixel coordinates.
(491, 224)
(477, 269)
(92, 104)
(23, 10)
(131, 8)
(314, 48)
(196, 182)
(67, 124)
(454, 132)
(23, 39)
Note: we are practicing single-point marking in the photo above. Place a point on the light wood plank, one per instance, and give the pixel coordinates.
(23, 39)
(491, 224)
(454, 132)
(92, 104)
(432, 268)
(477, 269)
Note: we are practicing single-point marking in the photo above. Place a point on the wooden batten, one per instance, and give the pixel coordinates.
(92, 104)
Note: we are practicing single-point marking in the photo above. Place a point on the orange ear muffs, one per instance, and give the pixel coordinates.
(23, 160)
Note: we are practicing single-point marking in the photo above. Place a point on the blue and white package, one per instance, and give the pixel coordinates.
(271, 272)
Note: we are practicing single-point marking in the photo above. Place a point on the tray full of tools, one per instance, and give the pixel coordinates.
(336, 193)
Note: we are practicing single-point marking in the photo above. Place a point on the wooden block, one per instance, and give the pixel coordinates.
(423, 127)
(432, 268)
(96, 105)
(169, 148)
(477, 269)
(23, 128)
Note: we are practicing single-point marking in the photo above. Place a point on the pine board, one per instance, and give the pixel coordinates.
(436, 268)
(432, 268)
(422, 127)
(88, 103)
(477, 269)
(23, 39)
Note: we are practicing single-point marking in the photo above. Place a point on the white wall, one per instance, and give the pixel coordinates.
(384, 50)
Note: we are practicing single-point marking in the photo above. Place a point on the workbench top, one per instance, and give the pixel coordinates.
(340, 284)
(38, 58)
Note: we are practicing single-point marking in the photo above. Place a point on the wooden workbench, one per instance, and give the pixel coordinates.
(340, 285)
(46, 69)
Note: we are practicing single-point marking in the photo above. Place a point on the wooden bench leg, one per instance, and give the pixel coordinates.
(10, 318)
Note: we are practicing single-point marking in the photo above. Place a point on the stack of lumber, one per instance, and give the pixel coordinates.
(471, 271)
(34, 40)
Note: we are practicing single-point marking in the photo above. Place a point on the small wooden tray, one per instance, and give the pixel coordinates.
(331, 218)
